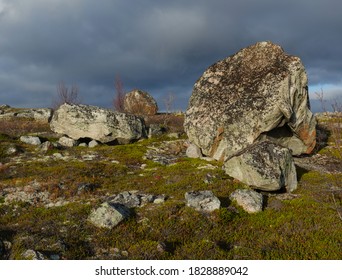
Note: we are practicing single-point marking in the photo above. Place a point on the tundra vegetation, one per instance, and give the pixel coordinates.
(47, 195)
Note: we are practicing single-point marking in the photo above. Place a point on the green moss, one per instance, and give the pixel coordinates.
(301, 229)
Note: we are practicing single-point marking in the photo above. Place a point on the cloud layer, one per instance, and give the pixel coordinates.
(159, 46)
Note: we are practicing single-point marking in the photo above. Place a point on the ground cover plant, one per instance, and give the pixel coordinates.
(46, 197)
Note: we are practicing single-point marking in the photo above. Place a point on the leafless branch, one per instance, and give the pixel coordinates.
(118, 101)
(66, 95)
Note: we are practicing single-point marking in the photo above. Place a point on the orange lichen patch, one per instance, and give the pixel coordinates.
(308, 137)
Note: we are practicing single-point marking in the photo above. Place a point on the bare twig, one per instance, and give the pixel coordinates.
(118, 101)
(64, 95)
(169, 103)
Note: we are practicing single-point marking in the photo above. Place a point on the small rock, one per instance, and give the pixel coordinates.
(249, 200)
(128, 199)
(93, 143)
(89, 157)
(86, 187)
(31, 140)
(13, 150)
(209, 178)
(143, 166)
(67, 142)
(109, 215)
(57, 155)
(161, 247)
(54, 257)
(46, 146)
(193, 151)
(159, 199)
(147, 198)
(174, 135)
(33, 255)
(202, 200)
(83, 145)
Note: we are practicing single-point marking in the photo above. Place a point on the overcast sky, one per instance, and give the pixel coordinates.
(161, 47)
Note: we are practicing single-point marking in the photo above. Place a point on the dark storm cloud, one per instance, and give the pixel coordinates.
(158, 46)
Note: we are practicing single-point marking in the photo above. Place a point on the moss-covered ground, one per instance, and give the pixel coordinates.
(307, 226)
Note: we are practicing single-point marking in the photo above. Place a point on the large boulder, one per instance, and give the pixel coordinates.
(103, 125)
(264, 166)
(140, 103)
(260, 92)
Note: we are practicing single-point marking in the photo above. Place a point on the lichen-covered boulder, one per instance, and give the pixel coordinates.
(103, 125)
(264, 166)
(245, 97)
(140, 103)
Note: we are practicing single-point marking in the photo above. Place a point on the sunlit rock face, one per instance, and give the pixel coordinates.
(256, 94)
(103, 125)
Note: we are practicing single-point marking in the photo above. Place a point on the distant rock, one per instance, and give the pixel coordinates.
(264, 166)
(133, 199)
(260, 92)
(31, 140)
(249, 200)
(141, 103)
(103, 125)
(42, 114)
(109, 215)
(202, 201)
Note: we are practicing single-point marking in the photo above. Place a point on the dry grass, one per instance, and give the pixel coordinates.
(21, 126)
